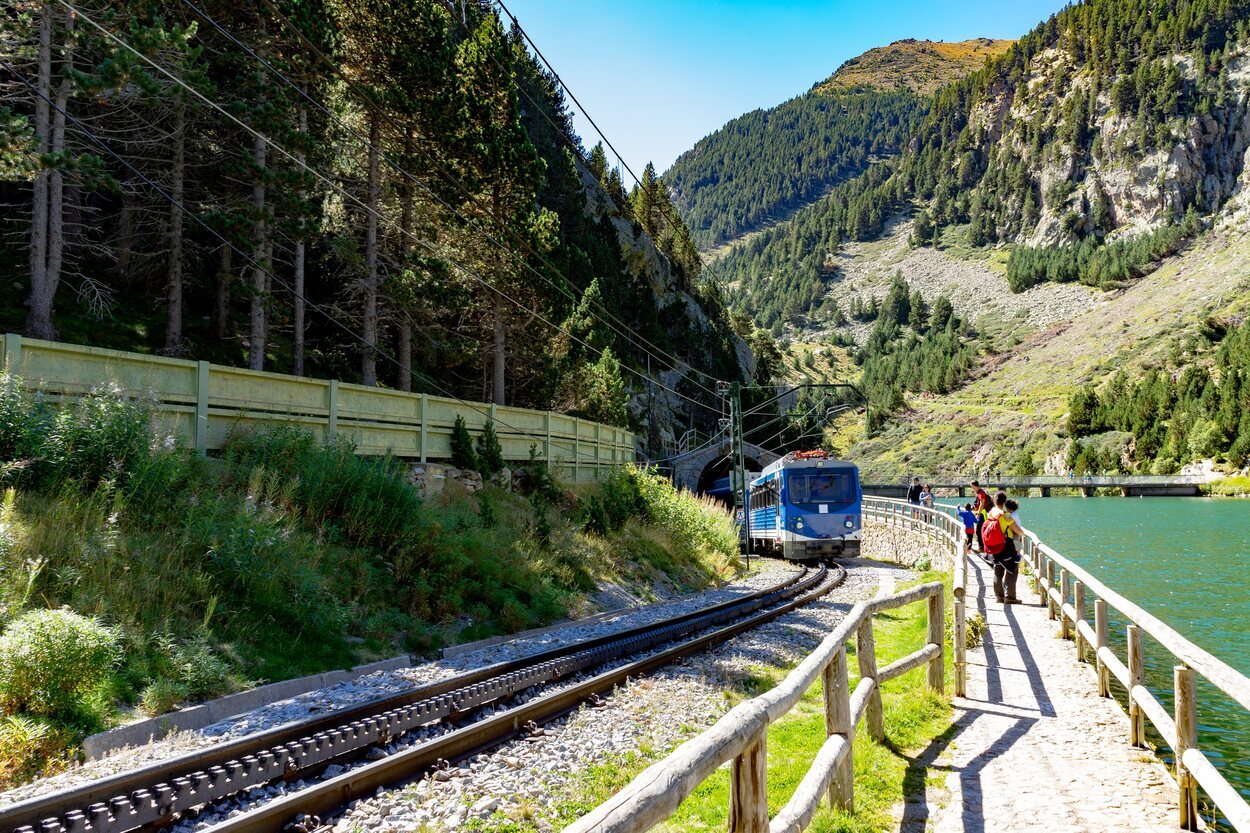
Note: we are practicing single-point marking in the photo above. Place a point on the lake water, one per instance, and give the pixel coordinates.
(1185, 560)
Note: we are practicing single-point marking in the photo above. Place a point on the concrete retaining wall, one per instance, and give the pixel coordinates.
(206, 714)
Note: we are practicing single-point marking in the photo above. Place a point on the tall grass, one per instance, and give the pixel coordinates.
(288, 555)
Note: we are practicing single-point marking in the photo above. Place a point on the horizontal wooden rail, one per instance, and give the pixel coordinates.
(1064, 586)
(739, 737)
(201, 403)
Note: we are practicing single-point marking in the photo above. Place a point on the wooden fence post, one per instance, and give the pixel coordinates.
(1078, 605)
(577, 450)
(748, 790)
(1065, 589)
(547, 439)
(937, 636)
(1050, 582)
(1136, 724)
(332, 406)
(424, 436)
(13, 353)
(201, 407)
(961, 623)
(866, 655)
(1100, 642)
(838, 722)
(1186, 738)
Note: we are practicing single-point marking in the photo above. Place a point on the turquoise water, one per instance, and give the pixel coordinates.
(1185, 560)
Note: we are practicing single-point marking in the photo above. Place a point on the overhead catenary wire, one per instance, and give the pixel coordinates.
(573, 292)
(99, 143)
(577, 149)
(575, 100)
(472, 274)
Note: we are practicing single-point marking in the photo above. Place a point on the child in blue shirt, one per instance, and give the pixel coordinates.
(970, 523)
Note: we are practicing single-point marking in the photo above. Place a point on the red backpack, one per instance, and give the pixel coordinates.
(993, 539)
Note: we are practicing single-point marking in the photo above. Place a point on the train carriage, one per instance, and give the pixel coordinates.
(806, 507)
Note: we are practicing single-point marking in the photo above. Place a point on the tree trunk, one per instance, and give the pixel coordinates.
(221, 303)
(501, 346)
(368, 359)
(257, 331)
(297, 337)
(173, 315)
(404, 349)
(407, 212)
(125, 232)
(500, 321)
(39, 307)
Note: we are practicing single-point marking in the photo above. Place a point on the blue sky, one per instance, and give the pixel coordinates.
(657, 75)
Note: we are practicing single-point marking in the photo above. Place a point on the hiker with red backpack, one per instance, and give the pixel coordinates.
(998, 533)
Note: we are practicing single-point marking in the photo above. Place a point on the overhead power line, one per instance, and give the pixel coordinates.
(580, 106)
(347, 195)
(103, 146)
(572, 292)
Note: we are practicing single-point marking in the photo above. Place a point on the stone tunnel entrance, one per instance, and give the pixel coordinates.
(699, 470)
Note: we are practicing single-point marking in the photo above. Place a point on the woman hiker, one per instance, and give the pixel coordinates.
(1000, 543)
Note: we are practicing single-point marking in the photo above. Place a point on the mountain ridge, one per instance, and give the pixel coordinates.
(767, 163)
(921, 65)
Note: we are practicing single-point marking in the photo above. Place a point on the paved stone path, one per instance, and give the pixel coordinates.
(1034, 748)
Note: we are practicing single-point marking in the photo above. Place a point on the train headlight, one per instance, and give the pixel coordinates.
(850, 524)
(798, 524)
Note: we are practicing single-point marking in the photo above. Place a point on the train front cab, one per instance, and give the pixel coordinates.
(822, 506)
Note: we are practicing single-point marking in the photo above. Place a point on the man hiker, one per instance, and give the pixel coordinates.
(913, 491)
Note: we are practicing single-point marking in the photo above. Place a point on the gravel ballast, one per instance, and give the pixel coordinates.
(382, 683)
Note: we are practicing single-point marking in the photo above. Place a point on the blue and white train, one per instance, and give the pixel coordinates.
(806, 507)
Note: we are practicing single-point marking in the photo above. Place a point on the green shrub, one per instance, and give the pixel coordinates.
(613, 502)
(30, 748)
(258, 556)
(50, 660)
(489, 451)
(700, 522)
(162, 696)
(366, 500)
(100, 436)
(462, 454)
(19, 423)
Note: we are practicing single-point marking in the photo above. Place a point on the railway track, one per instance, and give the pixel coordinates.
(155, 796)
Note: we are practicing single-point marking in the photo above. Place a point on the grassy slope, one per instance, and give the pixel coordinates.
(1021, 397)
(922, 65)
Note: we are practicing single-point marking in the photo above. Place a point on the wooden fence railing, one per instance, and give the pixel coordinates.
(739, 738)
(201, 402)
(1068, 590)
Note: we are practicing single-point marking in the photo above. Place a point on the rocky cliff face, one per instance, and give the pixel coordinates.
(1092, 167)
(662, 404)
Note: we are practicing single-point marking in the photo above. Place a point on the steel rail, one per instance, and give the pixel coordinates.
(146, 795)
(307, 810)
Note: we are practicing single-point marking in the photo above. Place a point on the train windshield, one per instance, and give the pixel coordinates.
(821, 486)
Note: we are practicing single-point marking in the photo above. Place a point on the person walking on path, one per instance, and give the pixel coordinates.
(913, 491)
(1000, 541)
(981, 506)
(926, 496)
(969, 519)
